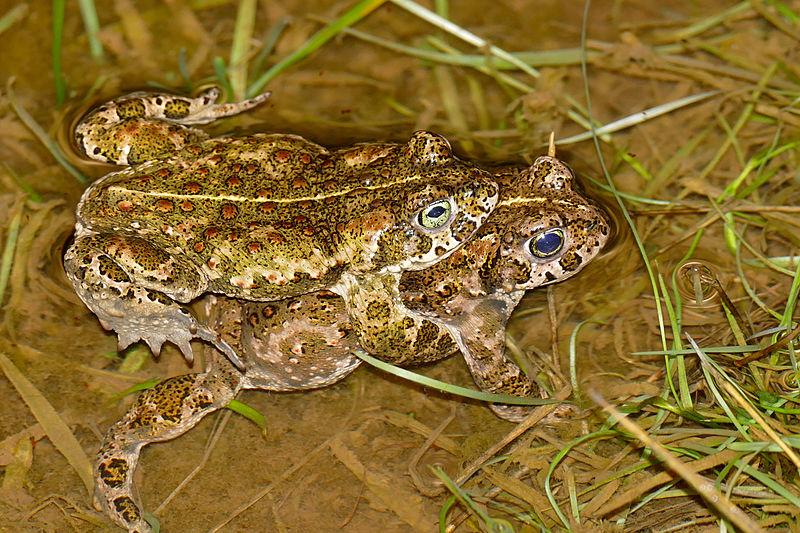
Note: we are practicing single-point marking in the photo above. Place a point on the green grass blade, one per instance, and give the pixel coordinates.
(573, 359)
(773, 485)
(58, 34)
(684, 395)
(221, 70)
(710, 349)
(490, 524)
(451, 389)
(443, 512)
(708, 23)
(30, 191)
(539, 58)
(92, 25)
(251, 414)
(183, 69)
(350, 17)
(709, 369)
(270, 39)
(548, 489)
(139, 387)
(613, 188)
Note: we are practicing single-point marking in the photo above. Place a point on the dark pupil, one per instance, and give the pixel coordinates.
(548, 243)
(436, 212)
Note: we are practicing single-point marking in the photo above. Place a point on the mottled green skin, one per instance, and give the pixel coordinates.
(462, 303)
(143, 126)
(385, 328)
(259, 217)
(268, 216)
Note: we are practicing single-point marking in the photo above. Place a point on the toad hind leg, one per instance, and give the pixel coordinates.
(163, 412)
(130, 286)
(144, 126)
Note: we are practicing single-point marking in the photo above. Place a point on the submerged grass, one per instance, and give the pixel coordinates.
(11, 16)
(59, 9)
(349, 17)
(57, 431)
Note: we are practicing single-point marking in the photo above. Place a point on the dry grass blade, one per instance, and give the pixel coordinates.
(534, 418)
(12, 16)
(780, 343)
(407, 505)
(57, 431)
(638, 118)
(220, 428)
(450, 100)
(245, 22)
(8, 250)
(702, 485)
(734, 393)
(266, 490)
(425, 489)
(775, 20)
(464, 34)
(632, 493)
(37, 130)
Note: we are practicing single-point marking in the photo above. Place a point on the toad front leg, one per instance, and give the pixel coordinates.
(480, 333)
(132, 286)
(386, 328)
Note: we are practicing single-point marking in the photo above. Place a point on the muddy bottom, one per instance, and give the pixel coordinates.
(361, 454)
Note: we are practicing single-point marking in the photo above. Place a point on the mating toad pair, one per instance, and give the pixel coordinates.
(401, 250)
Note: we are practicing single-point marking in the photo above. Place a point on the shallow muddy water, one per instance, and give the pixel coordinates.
(337, 459)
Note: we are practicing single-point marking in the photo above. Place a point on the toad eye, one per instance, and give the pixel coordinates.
(547, 244)
(436, 214)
